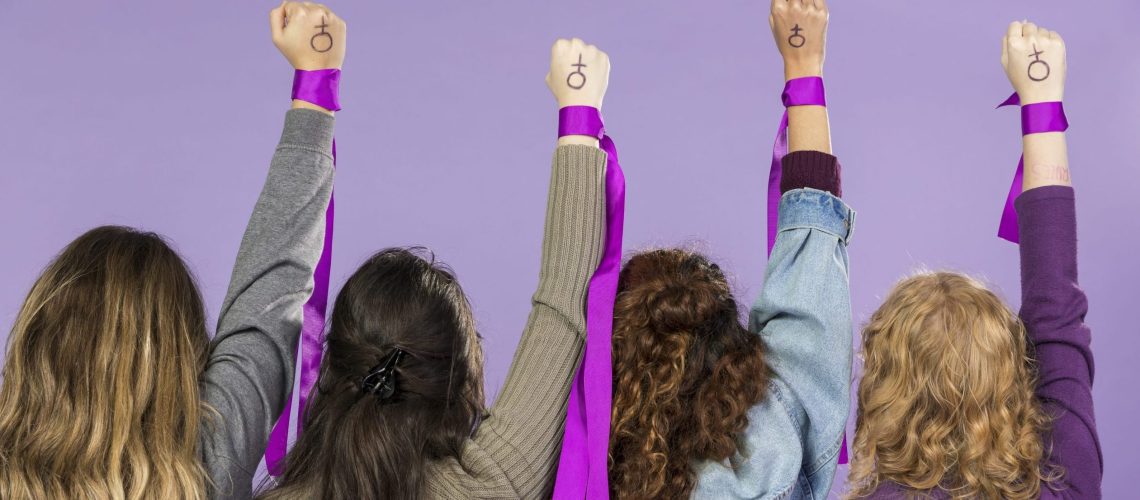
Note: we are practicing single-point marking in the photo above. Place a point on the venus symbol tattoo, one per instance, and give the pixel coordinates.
(323, 46)
(578, 71)
(1037, 60)
(797, 40)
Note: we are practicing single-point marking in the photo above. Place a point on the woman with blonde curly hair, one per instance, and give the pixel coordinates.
(960, 397)
(707, 407)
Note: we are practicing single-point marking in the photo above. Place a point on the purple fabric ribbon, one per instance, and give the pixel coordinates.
(320, 87)
(1036, 118)
(582, 467)
(797, 92)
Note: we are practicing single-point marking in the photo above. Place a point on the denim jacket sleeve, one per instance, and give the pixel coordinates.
(792, 441)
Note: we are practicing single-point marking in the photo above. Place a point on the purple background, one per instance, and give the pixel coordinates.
(164, 116)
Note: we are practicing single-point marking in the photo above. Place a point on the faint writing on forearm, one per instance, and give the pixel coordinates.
(1052, 173)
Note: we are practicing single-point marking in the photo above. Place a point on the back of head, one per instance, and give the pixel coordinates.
(686, 371)
(360, 444)
(100, 395)
(946, 399)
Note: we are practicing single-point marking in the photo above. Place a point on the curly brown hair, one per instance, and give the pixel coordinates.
(686, 371)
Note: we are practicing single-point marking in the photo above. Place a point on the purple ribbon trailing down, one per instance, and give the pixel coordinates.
(320, 87)
(797, 92)
(582, 467)
(806, 91)
(1036, 118)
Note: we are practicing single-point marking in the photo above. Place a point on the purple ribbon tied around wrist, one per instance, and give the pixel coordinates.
(582, 466)
(1036, 118)
(320, 87)
(806, 91)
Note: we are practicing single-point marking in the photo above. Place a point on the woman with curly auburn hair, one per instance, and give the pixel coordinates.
(961, 398)
(707, 407)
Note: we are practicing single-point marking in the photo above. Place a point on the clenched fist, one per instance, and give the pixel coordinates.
(800, 30)
(579, 73)
(309, 35)
(1034, 61)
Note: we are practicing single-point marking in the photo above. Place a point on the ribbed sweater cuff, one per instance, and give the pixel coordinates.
(811, 169)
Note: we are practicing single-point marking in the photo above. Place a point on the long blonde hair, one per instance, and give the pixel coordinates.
(100, 396)
(946, 400)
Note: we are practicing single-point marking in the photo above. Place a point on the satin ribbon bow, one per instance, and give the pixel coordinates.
(582, 467)
(1036, 118)
(806, 91)
(320, 87)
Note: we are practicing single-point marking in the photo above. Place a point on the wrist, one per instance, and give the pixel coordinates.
(580, 140)
(1034, 97)
(570, 101)
(299, 104)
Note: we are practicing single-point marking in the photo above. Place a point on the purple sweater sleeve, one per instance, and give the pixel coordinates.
(1053, 309)
(811, 169)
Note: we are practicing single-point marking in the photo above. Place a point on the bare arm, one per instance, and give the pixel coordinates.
(1034, 60)
(800, 30)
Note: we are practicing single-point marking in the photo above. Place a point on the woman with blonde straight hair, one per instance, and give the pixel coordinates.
(111, 340)
(112, 387)
(960, 396)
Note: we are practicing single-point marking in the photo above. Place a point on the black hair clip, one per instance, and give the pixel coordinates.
(381, 380)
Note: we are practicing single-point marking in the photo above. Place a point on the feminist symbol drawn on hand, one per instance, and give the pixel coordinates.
(313, 40)
(797, 40)
(1037, 60)
(578, 72)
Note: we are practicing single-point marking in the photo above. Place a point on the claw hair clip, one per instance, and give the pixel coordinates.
(381, 380)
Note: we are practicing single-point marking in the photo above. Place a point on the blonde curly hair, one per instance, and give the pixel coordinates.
(947, 395)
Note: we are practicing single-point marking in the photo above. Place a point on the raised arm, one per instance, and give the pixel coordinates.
(519, 440)
(1053, 305)
(250, 369)
(800, 31)
(804, 311)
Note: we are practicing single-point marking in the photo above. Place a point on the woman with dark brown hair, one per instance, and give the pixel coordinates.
(706, 407)
(398, 410)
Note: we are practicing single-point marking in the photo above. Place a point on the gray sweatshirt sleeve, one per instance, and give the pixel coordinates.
(250, 368)
(792, 440)
(514, 452)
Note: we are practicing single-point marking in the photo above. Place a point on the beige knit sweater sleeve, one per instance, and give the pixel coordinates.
(514, 452)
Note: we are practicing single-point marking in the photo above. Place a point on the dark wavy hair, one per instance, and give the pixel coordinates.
(686, 372)
(356, 445)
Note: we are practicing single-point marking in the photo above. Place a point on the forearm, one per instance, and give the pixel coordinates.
(578, 140)
(808, 129)
(804, 314)
(808, 126)
(527, 420)
(299, 104)
(1046, 161)
(250, 369)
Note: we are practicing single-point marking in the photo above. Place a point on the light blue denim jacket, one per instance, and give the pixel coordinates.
(792, 441)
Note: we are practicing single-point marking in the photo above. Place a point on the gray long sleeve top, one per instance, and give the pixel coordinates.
(250, 369)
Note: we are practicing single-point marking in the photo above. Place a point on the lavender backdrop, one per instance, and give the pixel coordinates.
(164, 116)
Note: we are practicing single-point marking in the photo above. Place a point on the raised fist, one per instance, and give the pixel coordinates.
(309, 35)
(579, 73)
(1034, 61)
(800, 30)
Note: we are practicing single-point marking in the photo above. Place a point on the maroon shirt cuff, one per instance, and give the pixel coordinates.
(811, 169)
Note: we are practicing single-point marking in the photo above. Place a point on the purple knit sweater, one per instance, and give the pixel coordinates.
(1053, 308)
